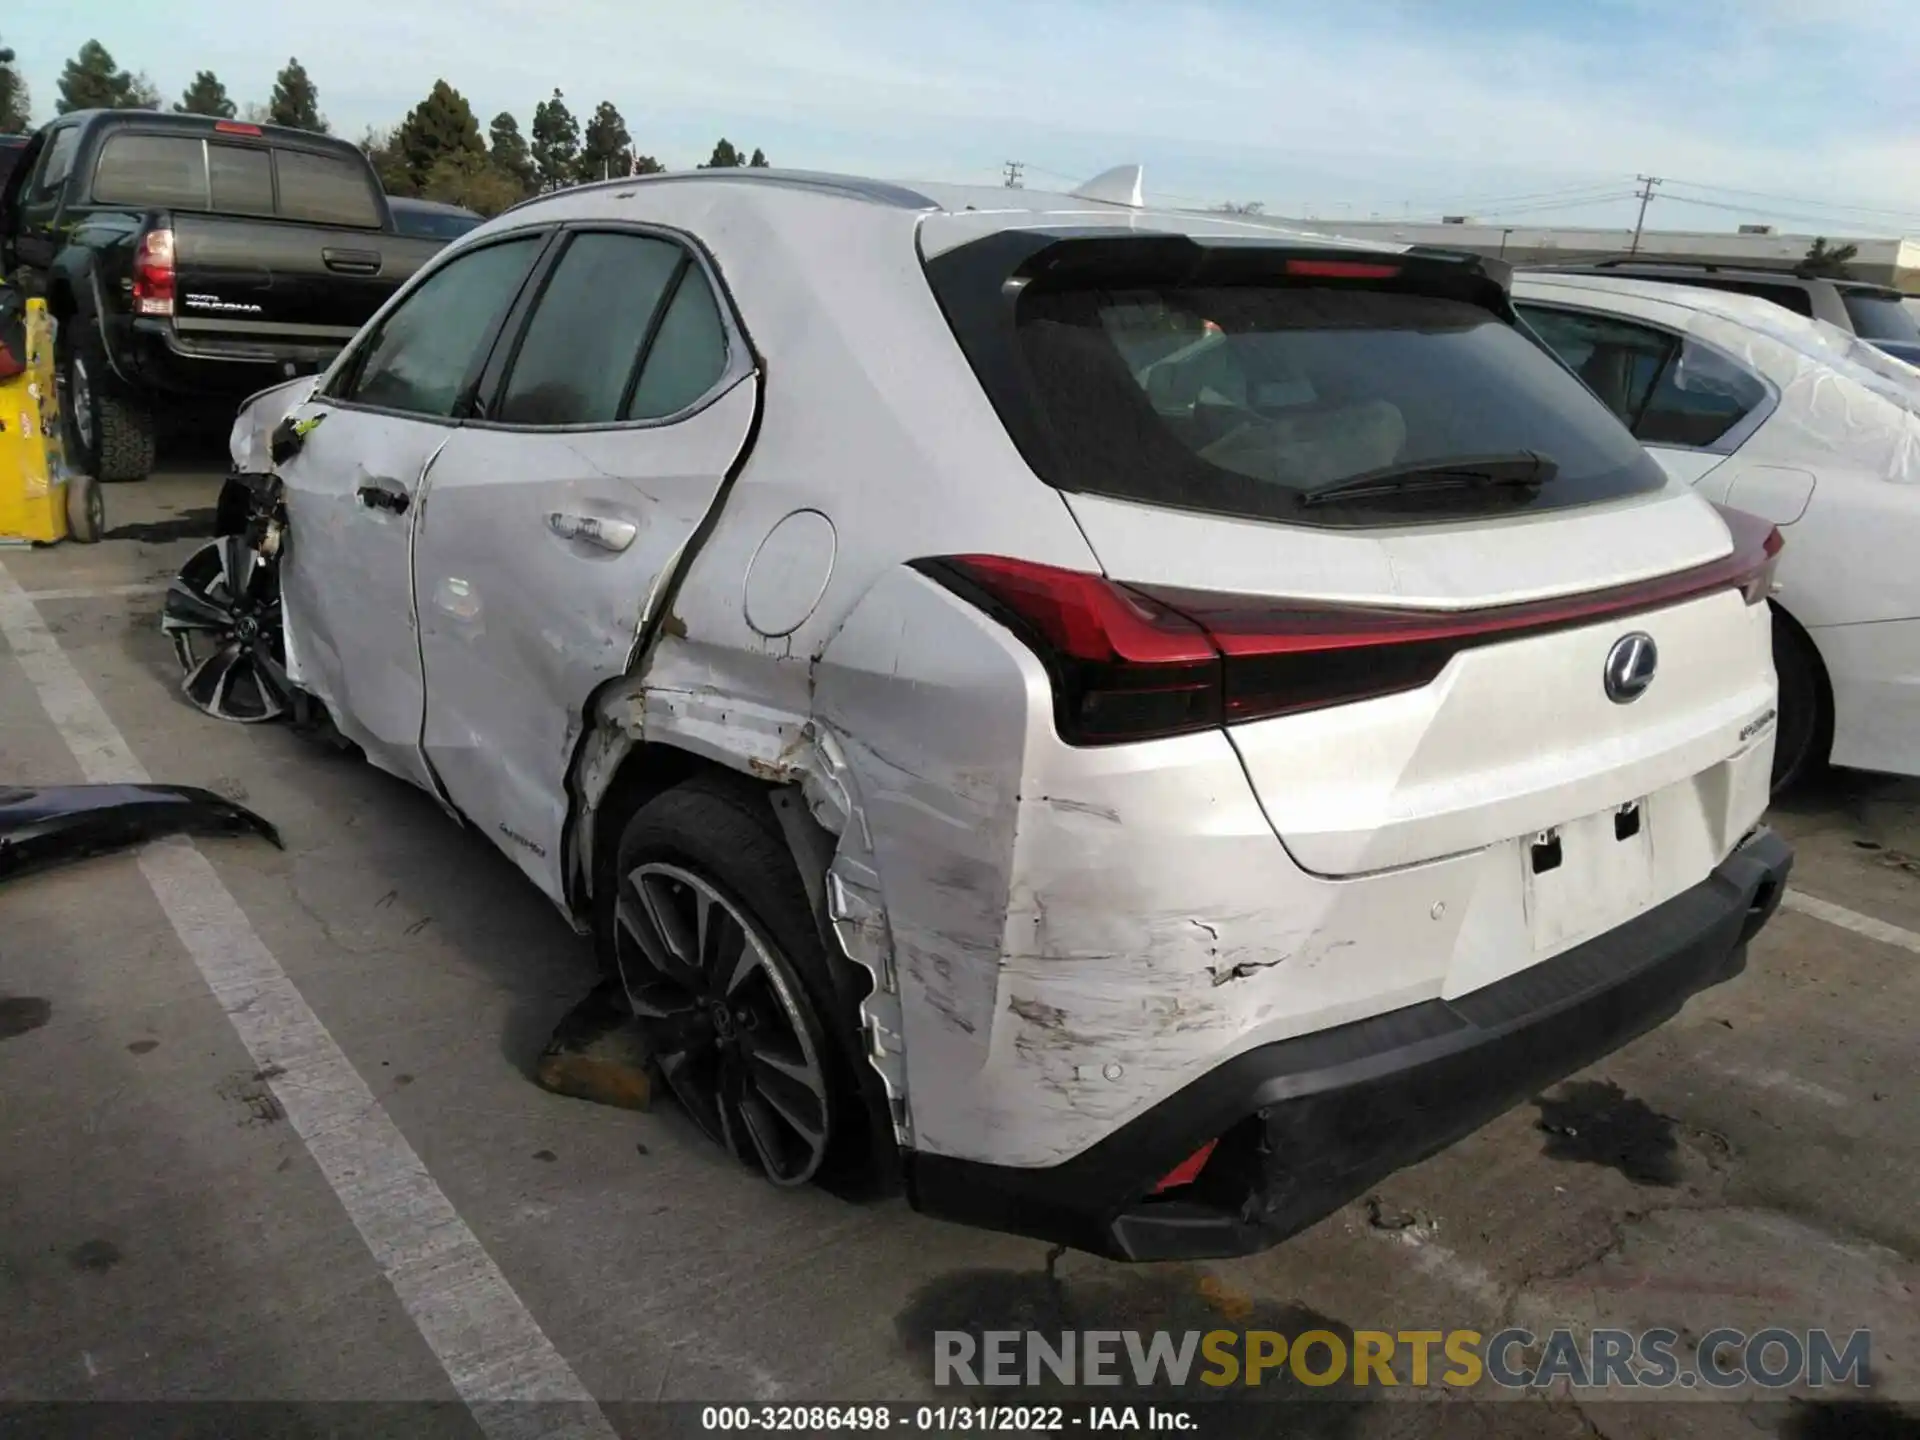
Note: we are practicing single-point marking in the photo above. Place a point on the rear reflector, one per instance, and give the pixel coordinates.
(1342, 269)
(1130, 662)
(1188, 1170)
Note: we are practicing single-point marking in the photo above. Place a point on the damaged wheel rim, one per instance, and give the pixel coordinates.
(223, 614)
(720, 1010)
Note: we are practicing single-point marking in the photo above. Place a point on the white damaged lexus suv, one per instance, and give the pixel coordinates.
(1127, 725)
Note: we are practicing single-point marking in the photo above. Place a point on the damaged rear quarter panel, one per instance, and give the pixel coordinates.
(1080, 932)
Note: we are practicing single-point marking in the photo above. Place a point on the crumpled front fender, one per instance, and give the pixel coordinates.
(41, 826)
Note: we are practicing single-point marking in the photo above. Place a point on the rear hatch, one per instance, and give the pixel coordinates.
(1397, 546)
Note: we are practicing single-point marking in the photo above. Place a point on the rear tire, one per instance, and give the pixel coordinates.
(778, 1063)
(1805, 737)
(110, 433)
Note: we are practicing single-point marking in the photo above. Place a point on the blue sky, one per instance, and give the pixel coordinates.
(1528, 111)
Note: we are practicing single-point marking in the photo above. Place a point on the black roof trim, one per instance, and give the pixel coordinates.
(162, 120)
(846, 187)
(1635, 267)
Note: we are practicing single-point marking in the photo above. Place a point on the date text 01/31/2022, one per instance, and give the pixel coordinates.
(942, 1419)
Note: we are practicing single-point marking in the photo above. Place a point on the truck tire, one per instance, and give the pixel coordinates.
(109, 432)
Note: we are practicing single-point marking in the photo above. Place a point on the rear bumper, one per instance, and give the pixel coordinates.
(1307, 1124)
(157, 358)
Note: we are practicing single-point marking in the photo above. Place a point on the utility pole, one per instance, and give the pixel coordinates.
(1014, 167)
(1647, 182)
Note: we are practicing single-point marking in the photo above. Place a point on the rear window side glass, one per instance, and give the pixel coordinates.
(1619, 362)
(1244, 399)
(688, 355)
(1792, 297)
(326, 189)
(241, 180)
(1700, 397)
(57, 164)
(1880, 317)
(419, 359)
(584, 340)
(159, 171)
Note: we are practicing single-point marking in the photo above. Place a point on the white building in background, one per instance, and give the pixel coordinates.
(1887, 262)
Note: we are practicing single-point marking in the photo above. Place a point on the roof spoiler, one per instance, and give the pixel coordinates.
(1122, 185)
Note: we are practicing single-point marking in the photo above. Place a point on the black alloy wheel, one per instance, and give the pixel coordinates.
(222, 612)
(726, 1019)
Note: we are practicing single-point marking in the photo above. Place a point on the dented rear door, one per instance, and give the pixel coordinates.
(613, 414)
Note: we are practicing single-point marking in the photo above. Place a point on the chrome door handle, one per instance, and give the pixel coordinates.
(614, 535)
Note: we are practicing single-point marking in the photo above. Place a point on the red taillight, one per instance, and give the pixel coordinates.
(1188, 1170)
(1132, 662)
(235, 127)
(153, 275)
(1342, 269)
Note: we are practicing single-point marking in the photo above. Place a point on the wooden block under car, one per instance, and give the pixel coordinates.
(596, 1053)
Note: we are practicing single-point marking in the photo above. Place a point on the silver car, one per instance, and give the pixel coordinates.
(1127, 725)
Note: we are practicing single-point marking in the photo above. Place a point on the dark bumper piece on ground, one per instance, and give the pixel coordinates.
(1306, 1125)
(52, 824)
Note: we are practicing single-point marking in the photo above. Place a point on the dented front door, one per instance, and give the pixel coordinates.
(550, 528)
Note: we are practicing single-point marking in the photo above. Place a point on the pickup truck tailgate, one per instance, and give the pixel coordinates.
(276, 281)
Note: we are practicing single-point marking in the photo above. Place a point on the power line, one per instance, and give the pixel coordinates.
(1829, 222)
(1802, 201)
(1013, 169)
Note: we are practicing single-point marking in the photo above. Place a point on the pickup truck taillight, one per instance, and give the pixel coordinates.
(153, 274)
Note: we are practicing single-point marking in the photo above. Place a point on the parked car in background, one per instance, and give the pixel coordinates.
(431, 219)
(191, 262)
(1808, 427)
(1137, 723)
(1877, 314)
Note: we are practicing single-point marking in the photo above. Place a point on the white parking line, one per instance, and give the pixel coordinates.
(491, 1347)
(93, 592)
(1804, 904)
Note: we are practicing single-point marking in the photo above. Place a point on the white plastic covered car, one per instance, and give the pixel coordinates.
(1813, 430)
(1128, 725)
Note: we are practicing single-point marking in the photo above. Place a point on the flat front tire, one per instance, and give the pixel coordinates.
(712, 933)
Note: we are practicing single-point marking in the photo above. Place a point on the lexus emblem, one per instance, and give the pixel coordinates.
(1630, 667)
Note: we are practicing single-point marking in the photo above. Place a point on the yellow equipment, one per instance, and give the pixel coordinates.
(39, 501)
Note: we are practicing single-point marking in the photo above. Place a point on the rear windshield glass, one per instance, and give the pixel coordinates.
(326, 189)
(1880, 317)
(167, 172)
(1792, 297)
(433, 224)
(1245, 399)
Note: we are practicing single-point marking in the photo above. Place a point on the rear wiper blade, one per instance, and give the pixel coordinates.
(1478, 472)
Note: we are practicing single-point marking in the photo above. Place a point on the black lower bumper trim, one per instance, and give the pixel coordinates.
(1306, 1125)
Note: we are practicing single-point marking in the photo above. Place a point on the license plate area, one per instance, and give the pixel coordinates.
(1585, 877)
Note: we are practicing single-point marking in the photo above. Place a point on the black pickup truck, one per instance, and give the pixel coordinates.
(192, 262)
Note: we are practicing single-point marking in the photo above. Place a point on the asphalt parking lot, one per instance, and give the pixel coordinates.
(183, 1218)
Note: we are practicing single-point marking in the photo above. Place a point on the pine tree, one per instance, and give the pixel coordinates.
(556, 142)
(295, 101)
(724, 157)
(440, 127)
(508, 149)
(759, 160)
(92, 81)
(606, 148)
(206, 96)
(16, 106)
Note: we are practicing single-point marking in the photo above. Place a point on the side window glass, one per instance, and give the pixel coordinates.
(57, 165)
(420, 358)
(688, 354)
(584, 340)
(1699, 398)
(1619, 362)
